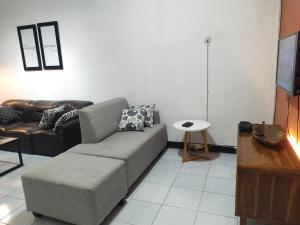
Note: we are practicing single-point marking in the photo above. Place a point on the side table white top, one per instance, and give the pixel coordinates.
(198, 125)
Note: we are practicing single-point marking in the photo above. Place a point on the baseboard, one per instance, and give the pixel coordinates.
(212, 148)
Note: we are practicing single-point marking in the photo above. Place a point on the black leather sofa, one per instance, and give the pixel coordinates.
(34, 140)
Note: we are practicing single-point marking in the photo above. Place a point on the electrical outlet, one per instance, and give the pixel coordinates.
(207, 39)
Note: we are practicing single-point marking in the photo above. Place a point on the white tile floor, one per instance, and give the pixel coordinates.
(172, 193)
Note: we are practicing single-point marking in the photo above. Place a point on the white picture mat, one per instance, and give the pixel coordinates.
(286, 62)
(29, 48)
(50, 46)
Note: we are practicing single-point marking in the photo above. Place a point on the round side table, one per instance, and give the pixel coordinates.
(198, 125)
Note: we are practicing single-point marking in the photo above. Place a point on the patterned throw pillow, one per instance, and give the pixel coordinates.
(66, 117)
(149, 117)
(50, 116)
(8, 115)
(132, 119)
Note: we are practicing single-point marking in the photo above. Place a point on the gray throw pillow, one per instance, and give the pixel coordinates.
(66, 117)
(150, 111)
(132, 119)
(50, 116)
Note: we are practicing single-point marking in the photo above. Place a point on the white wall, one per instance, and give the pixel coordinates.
(153, 51)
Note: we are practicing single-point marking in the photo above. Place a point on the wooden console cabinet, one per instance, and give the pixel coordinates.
(268, 183)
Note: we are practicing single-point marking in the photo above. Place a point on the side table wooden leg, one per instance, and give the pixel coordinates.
(205, 144)
(243, 221)
(186, 156)
(185, 153)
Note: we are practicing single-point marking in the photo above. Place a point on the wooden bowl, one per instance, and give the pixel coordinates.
(269, 135)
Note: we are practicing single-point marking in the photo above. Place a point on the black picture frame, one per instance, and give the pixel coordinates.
(23, 48)
(56, 46)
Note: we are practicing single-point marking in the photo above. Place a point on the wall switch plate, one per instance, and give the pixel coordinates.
(207, 39)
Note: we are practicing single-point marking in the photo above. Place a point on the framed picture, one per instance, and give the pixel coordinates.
(29, 47)
(50, 45)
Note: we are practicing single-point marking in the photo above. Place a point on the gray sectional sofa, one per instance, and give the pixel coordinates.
(83, 185)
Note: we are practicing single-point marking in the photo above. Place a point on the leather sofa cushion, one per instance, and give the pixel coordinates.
(2, 128)
(18, 104)
(137, 149)
(73, 103)
(22, 128)
(23, 108)
(101, 120)
(32, 111)
(42, 132)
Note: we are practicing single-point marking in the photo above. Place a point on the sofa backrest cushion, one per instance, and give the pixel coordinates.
(32, 110)
(100, 120)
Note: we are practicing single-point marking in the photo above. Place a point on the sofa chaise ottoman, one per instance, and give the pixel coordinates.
(78, 189)
(82, 185)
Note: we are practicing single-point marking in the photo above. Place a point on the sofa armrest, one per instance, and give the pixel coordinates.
(67, 125)
(69, 133)
(156, 117)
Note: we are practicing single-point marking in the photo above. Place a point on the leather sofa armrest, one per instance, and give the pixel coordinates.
(67, 125)
(69, 133)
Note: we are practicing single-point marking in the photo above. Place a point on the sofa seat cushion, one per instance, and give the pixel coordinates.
(137, 149)
(22, 128)
(78, 189)
(43, 132)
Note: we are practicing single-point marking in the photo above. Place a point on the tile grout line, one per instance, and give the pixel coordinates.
(222, 178)
(177, 207)
(167, 195)
(202, 194)
(215, 193)
(233, 217)
(11, 213)
(219, 193)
